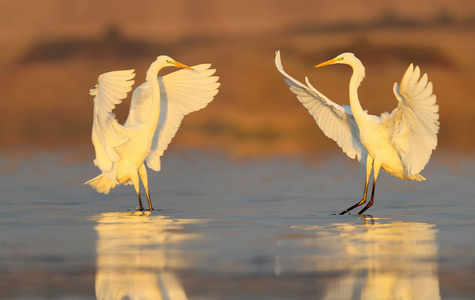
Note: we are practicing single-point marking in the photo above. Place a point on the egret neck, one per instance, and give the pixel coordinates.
(355, 81)
(152, 81)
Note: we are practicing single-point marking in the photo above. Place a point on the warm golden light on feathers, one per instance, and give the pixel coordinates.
(156, 111)
(400, 142)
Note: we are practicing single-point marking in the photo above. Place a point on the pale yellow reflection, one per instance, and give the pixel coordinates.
(137, 254)
(378, 260)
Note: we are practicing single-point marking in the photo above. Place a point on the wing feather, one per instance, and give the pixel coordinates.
(414, 124)
(336, 122)
(107, 133)
(182, 92)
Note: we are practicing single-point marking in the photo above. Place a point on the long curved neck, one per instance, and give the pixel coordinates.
(152, 81)
(355, 81)
(153, 70)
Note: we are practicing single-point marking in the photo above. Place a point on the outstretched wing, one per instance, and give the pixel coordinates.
(414, 124)
(337, 122)
(181, 93)
(107, 133)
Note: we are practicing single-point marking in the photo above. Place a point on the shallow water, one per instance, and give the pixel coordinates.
(250, 229)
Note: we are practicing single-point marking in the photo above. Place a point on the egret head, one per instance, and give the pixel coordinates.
(167, 61)
(347, 58)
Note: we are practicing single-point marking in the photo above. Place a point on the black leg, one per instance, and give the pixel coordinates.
(359, 203)
(143, 176)
(150, 207)
(140, 202)
(370, 203)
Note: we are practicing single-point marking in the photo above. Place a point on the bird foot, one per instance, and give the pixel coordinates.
(342, 213)
(153, 209)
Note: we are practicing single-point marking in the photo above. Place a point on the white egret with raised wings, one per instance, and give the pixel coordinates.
(400, 142)
(156, 111)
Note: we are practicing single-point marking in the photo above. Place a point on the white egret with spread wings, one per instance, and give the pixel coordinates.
(400, 142)
(156, 111)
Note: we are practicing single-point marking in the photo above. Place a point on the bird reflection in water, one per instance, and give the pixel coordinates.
(379, 259)
(137, 254)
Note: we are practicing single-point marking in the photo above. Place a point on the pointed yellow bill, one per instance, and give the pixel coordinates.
(180, 65)
(328, 62)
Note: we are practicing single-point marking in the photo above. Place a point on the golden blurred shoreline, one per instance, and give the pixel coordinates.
(44, 82)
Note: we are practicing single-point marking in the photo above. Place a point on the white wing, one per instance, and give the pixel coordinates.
(337, 122)
(414, 124)
(107, 133)
(181, 93)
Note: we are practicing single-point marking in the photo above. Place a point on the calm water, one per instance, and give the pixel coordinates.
(251, 229)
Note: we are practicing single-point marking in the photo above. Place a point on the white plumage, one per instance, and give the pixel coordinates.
(400, 143)
(157, 109)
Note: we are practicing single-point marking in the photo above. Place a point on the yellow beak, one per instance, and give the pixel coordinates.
(180, 65)
(328, 62)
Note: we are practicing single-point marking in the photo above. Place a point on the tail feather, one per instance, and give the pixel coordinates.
(417, 177)
(101, 184)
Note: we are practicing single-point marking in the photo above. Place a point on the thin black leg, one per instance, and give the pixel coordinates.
(150, 207)
(140, 202)
(359, 203)
(370, 203)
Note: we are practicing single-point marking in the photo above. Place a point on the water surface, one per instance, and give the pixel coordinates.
(248, 229)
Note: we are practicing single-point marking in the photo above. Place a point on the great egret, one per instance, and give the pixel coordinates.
(400, 142)
(156, 111)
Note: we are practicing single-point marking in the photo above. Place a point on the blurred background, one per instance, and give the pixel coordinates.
(267, 217)
(52, 51)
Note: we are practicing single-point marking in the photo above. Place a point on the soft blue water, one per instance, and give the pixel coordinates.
(227, 229)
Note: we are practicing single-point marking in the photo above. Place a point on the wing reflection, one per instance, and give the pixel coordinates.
(392, 260)
(137, 254)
